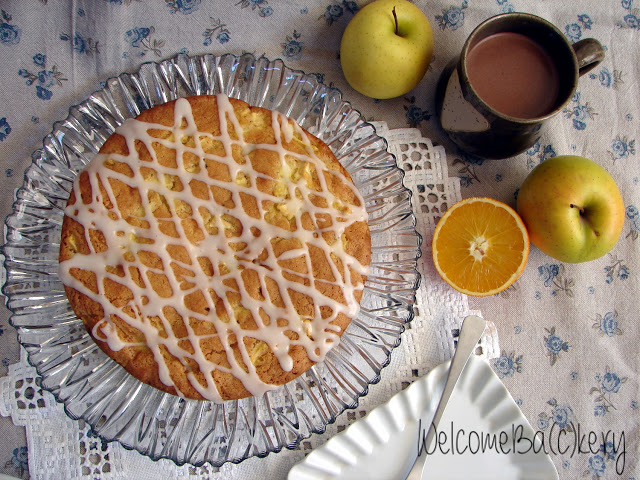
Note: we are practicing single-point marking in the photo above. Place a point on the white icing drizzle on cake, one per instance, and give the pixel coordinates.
(315, 334)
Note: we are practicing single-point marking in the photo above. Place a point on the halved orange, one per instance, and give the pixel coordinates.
(480, 246)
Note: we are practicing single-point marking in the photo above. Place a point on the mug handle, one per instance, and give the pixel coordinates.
(589, 53)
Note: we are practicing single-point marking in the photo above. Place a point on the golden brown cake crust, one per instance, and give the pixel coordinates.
(211, 242)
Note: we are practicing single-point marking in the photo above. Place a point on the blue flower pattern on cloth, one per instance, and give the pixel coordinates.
(5, 128)
(415, 114)
(632, 18)
(81, 44)
(579, 112)
(467, 171)
(43, 79)
(262, 7)
(633, 216)
(608, 324)
(452, 18)
(560, 417)
(293, 47)
(539, 153)
(183, 6)
(622, 147)
(554, 345)
(332, 13)
(218, 30)
(608, 457)
(506, 6)
(616, 270)
(574, 31)
(507, 364)
(137, 35)
(596, 466)
(553, 276)
(142, 38)
(336, 11)
(19, 461)
(607, 386)
(9, 34)
(608, 78)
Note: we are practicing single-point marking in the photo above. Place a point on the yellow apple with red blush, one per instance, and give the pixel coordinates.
(572, 208)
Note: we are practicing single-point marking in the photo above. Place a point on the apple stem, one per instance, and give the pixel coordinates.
(581, 209)
(395, 17)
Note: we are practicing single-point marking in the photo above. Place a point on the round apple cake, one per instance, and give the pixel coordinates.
(213, 249)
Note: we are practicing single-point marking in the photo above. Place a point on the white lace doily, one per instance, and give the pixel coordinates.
(60, 447)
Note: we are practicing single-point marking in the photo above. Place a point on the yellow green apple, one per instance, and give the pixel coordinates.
(572, 208)
(386, 48)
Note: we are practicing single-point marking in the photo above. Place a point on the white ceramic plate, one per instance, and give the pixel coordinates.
(384, 444)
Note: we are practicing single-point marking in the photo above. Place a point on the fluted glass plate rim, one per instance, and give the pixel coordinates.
(293, 412)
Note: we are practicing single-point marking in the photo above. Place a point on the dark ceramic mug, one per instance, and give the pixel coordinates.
(482, 130)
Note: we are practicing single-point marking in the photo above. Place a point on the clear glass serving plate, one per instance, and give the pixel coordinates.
(159, 425)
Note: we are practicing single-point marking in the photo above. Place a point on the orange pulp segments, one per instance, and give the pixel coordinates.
(480, 246)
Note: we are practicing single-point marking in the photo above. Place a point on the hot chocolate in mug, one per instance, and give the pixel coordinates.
(516, 71)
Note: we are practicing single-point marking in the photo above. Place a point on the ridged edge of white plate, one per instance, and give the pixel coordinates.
(397, 421)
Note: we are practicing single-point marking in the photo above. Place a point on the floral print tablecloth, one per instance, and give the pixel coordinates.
(569, 334)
